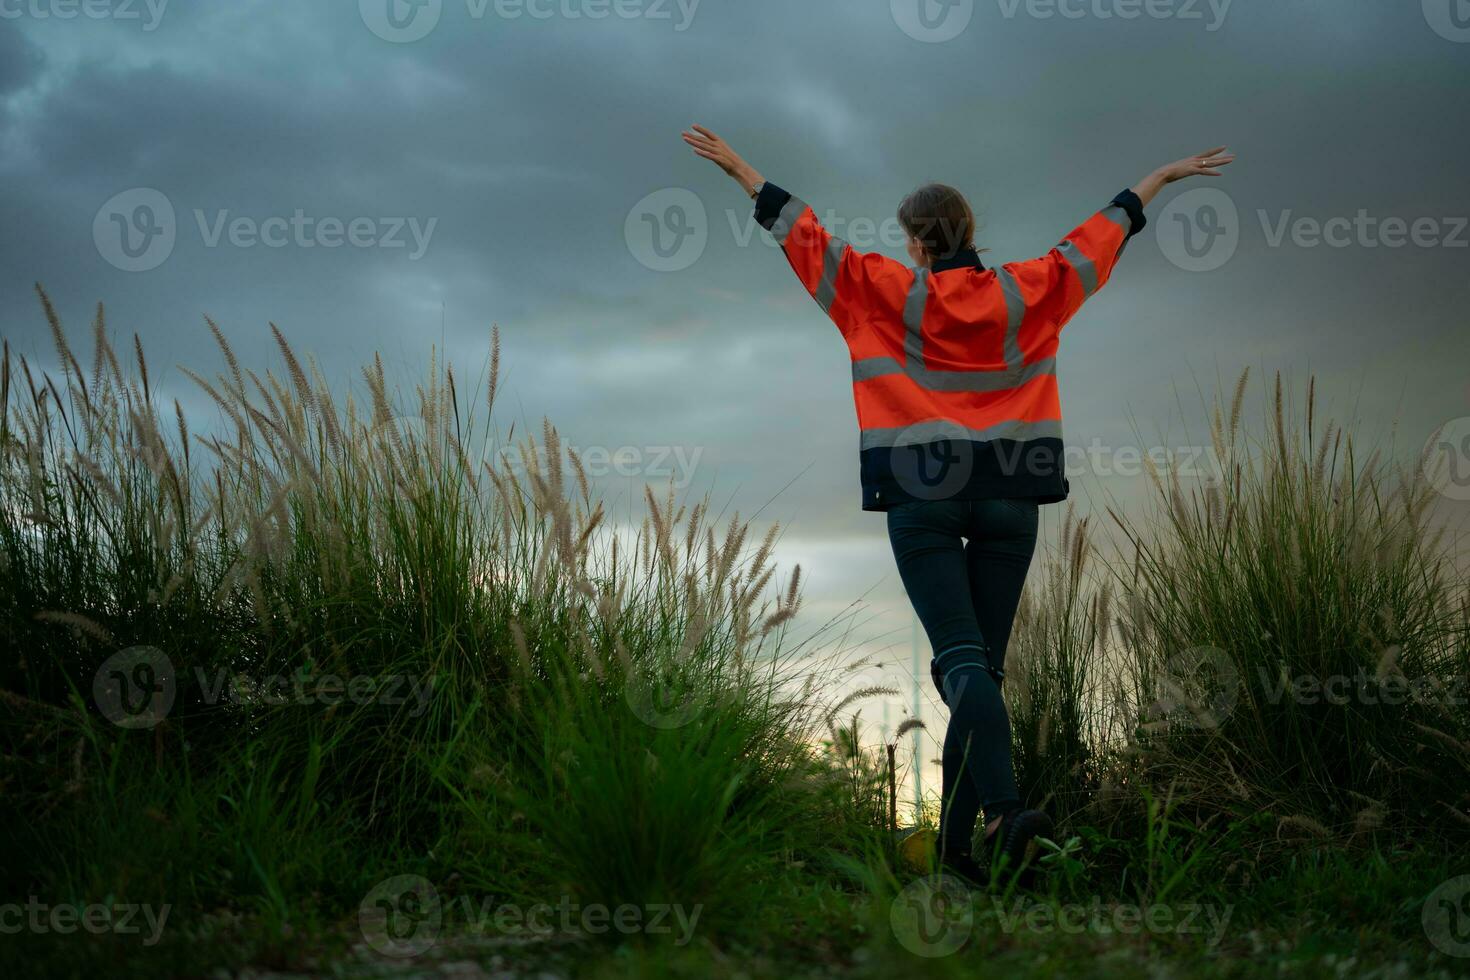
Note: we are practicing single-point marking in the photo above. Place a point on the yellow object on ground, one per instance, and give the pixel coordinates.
(916, 847)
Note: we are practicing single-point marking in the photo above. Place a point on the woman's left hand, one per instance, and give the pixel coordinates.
(1205, 164)
(711, 147)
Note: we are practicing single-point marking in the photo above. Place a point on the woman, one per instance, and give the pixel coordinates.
(954, 377)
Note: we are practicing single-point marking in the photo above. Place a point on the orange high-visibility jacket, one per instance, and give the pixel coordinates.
(953, 367)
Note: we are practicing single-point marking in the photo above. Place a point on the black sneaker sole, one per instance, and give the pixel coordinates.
(1020, 843)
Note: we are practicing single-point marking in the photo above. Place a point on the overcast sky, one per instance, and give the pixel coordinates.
(502, 157)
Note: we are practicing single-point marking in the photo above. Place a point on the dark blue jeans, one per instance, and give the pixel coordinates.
(963, 564)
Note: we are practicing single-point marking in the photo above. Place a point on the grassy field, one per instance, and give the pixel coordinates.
(330, 688)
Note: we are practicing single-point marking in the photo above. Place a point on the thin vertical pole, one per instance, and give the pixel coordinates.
(918, 707)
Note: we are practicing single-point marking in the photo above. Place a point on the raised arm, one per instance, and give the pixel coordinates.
(849, 285)
(1056, 285)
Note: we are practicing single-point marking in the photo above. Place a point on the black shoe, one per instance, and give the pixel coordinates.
(1012, 845)
(963, 867)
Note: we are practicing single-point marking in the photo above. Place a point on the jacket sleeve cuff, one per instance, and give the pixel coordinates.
(768, 205)
(1129, 202)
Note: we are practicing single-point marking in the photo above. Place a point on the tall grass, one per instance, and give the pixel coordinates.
(618, 714)
(1290, 638)
(601, 712)
(1062, 714)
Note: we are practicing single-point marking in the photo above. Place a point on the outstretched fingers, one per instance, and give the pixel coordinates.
(709, 146)
(1210, 161)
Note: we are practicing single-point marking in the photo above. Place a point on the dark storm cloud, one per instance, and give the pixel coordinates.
(20, 61)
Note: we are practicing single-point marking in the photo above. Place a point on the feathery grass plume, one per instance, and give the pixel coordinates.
(294, 370)
(906, 726)
(1303, 822)
(76, 621)
(583, 488)
(225, 405)
(142, 368)
(786, 606)
(228, 352)
(103, 358)
(554, 476)
(327, 412)
(861, 694)
(1330, 441)
(97, 476)
(64, 355)
(4, 394)
(451, 395)
(494, 373)
(1459, 814)
(1237, 403)
(1278, 419)
(1311, 406)
(691, 529)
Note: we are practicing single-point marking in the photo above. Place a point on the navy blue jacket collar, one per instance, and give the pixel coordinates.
(965, 258)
